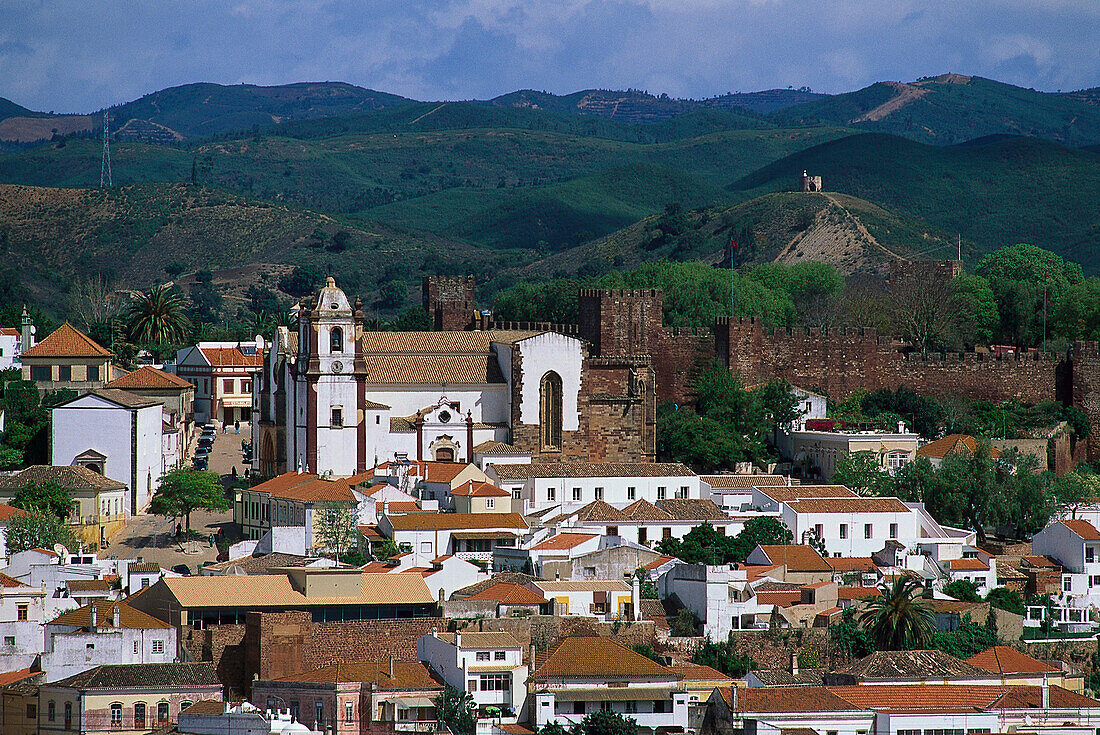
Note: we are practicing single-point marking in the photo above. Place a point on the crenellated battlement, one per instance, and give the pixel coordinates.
(568, 329)
(621, 293)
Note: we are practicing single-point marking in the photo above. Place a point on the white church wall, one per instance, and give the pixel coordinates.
(541, 354)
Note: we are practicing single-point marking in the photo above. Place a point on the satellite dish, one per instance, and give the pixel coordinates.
(60, 550)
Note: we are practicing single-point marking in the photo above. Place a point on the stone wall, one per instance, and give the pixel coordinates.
(1085, 382)
(450, 301)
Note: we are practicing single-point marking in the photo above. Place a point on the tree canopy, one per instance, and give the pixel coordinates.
(705, 545)
(47, 497)
(38, 530)
(897, 619)
(184, 490)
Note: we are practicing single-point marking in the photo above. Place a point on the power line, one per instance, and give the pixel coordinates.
(105, 166)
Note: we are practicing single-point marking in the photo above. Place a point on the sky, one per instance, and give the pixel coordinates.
(83, 55)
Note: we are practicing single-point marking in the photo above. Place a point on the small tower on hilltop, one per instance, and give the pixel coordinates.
(809, 183)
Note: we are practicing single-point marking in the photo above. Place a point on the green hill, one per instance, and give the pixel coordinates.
(995, 192)
(10, 109)
(852, 234)
(637, 106)
(952, 108)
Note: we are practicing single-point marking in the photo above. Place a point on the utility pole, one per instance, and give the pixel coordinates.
(1046, 284)
(733, 279)
(105, 165)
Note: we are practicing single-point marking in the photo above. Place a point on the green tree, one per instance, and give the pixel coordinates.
(206, 299)
(456, 709)
(860, 471)
(304, 280)
(184, 490)
(723, 656)
(604, 722)
(898, 619)
(976, 309)
(922, 414)
(969, 638)
(962, 589)
(338, 529)
(38, 530)
(158, 318)
(1021, 276)
(684, 625)
(1078, 314)
(850, 637)
(704, 545)
(47, 497)
(1003, 598)
(1075, 489)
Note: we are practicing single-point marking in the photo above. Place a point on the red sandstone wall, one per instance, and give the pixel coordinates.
(1086, 389)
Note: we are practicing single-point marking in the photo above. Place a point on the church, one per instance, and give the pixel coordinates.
(333, 398)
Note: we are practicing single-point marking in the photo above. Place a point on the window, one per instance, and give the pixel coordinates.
(589, 572)
(819, 530)
(641, 534)
(162, 711)
(578, 708)
(227, 386)
(68, 715)
(599, 493)
(684, 489)
(349, 712)
(22, 611)
(517, 494)
(630, 492)
(490, 503)
(41, 372)
(661, 493)
(1094, 581)
(893, 530)
(496, 682)
(612, 530)
(139, 716)
(336, 340)
(137, 648)
(116, 715)
(1067, 584)
(576, 493)
(550, 493)
(844, 530)
(498, 655)
(51, 711)
(908, 732)
(867, 528)
(482, 656)
(64, 372)
(246, 386)
(605, 706)
(337, 417)
(32, 711)
(93, 372)
(158, 646)
(318, 714)
(666, 533)
(660, 705)
(1090, 554)
(631, 706)
(550, 410)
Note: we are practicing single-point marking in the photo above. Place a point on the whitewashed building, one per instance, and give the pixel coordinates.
(473, 537)
(1075, 544)
(117, 434)
(223, 375)
(23, 612)
(487, 665)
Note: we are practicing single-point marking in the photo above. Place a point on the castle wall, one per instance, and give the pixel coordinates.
(1085, 387)
(450, 301)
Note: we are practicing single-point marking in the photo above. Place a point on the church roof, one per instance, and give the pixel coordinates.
(435, 358)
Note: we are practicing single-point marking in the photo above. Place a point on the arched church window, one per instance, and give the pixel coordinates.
(550, 411)
(336, 340)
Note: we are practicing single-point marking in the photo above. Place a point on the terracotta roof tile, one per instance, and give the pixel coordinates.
(11, 677)
(6, 581)
(510, 594)
(918, 665)
(87, 585)
(306, 488)
(658, 562)
(407, 675)
(474, 489)
(848, 505)
(205, 707)
(7, 511)
(67, 341)
(73, 477)
(778, 597)
(231, 357)
(582, 585)
(1082, 528)
(857, 593)
(643, 510)
(692, 509)
(796, 557)
(974, 565)
(564, 540)
(496, 449)
(842, 564)
(599, 658)
(805, 492)
(457, 521)
(786, 699)
(952, 443)
(592, 469)
(128, 617)
(276, 590)
(124, 676)
(746, 482)
(1041, 561)
(149, 377)
(599, 512)
(1005, 660)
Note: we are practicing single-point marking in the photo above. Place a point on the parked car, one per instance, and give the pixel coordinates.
(182, 569)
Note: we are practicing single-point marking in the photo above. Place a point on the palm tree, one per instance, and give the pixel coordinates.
(158, 318)
(898, 619)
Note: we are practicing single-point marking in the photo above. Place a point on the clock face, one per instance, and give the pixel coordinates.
(337, 366)
(444, 417)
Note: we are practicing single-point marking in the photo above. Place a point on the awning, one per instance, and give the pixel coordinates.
(472, 535)
(412, 702)
(616, 694)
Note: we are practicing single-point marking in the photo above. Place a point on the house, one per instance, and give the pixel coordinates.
(487, 665)
(100, 505)
(498, 600)
(443, 574)
(329, 594)
(1016, 667)
(614, 558)
(22, 614)
(595, 598)
(494, 452)
(733, 493)
(141, 574)
(105, 632)
(801, 562)
(588, 674)
(11, 346)
(430, 481)
(7, 512)
(573, 485)
(355, 698)
(553, 555)
(85, 591)
(173, 392)
(481, 497)
(68, 358)
(816, 449)
(19, 701)
(437, 395)
(46, 570)
(470, 536)
(976, 567)
(128, 698)
(936, 451)
(699, 681)
(115, 433)
(1075, 545)
(223, 375)
(898, 709)
(266, 563)
(296, 499)
(642, 522)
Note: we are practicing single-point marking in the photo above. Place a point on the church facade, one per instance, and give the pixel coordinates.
(335, 398)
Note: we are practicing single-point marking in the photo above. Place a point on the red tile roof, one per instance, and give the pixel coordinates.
(307, 488)
(952, 443)
(509, 594)
(659, 561)
(796, 557)
(231, 357)
(584, 657)
(6, 581)
(148, 376)
(10, 677)
(780, 598)
(856, 593)
(7, 511)
(1082, 528)
(975, 565)
(842, 564)
(562, 541)
(474, 489)
(407, 675)
(1005, 660)
(901, 698)
(67, 341)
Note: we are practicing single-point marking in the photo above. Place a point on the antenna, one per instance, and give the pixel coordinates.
(960, 247)
(105, 166)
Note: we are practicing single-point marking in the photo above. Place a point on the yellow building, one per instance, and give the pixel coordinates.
(68, 358)
(100, 502)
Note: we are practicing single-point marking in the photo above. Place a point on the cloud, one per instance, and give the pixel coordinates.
(80, 56)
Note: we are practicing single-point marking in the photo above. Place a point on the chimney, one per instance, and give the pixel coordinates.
(93, 622)
(531, 662)
(794, 664)
(1045, 690)
(458, 640)
(115, 615)
(636, 597)
(733, 697)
